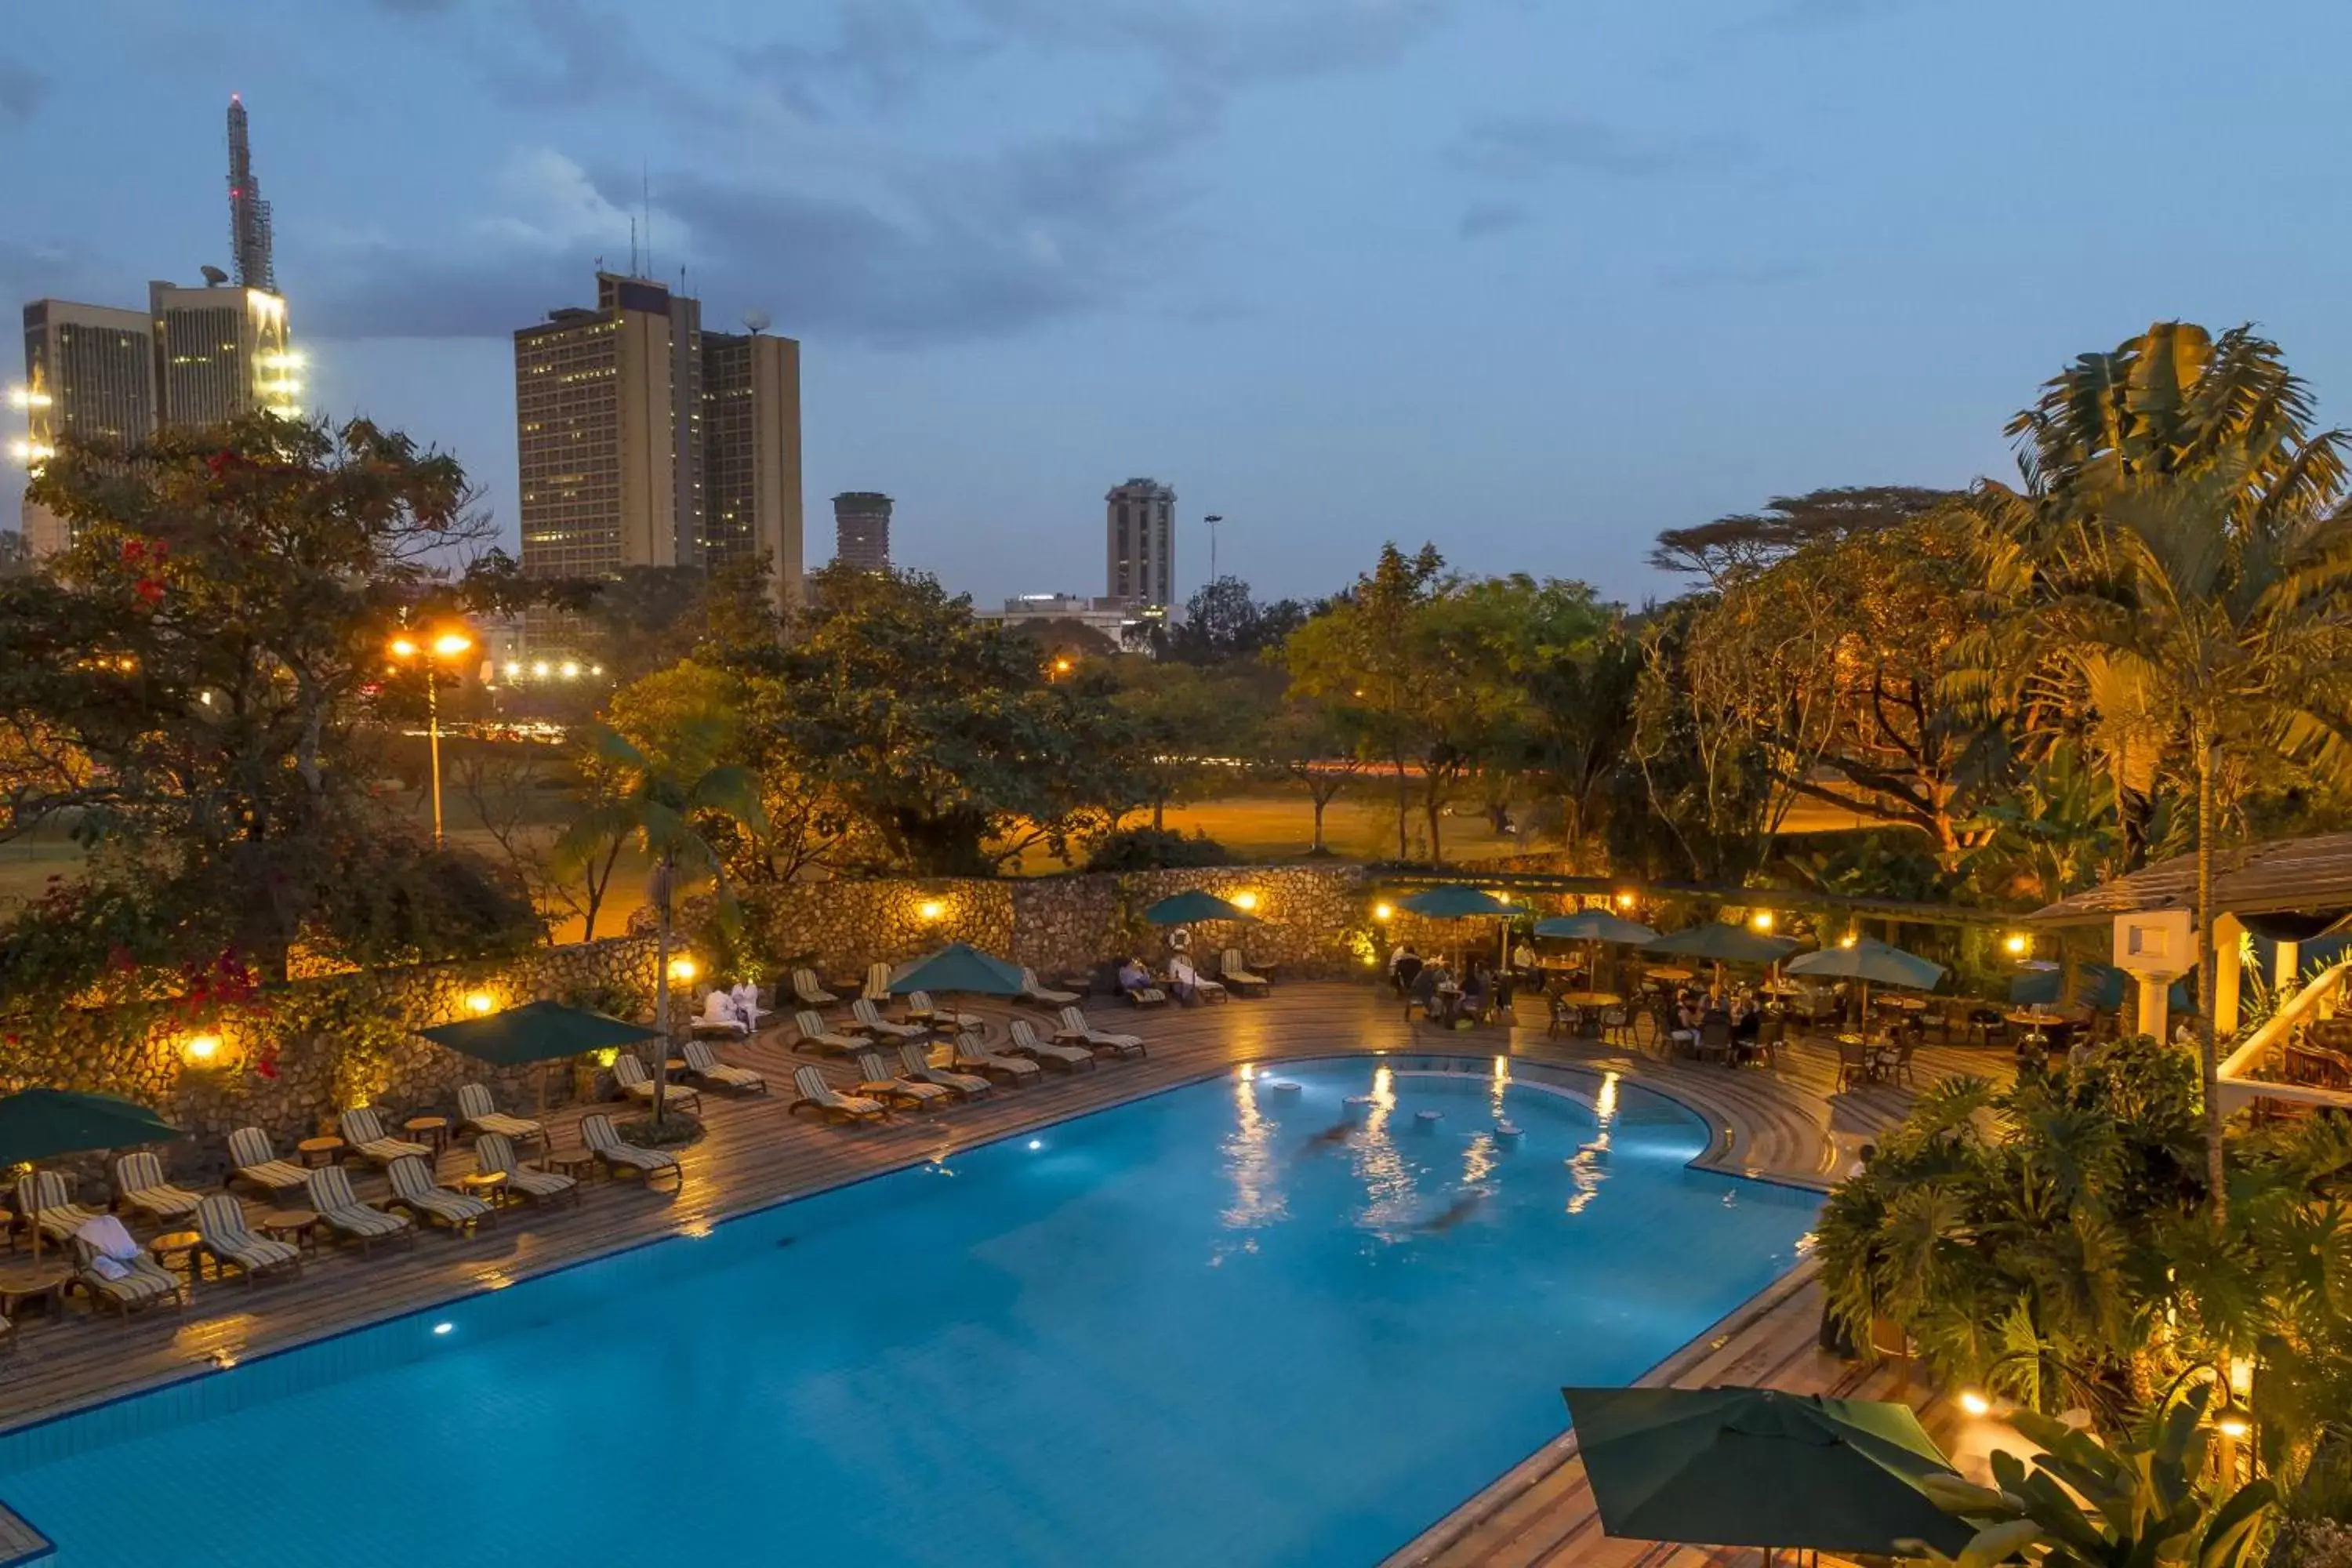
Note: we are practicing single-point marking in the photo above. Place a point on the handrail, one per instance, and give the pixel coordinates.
(2239, 1088)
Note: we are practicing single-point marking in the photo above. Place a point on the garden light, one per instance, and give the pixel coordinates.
(1624, 900)
(1383, 912)
(931, 909)
(203, 1048)
(682, 969)
(1975, 1404)
(1848, 939)
(1245, 900)
(1761, 919)
(477, 1003)
(401, 647)
(2018, 944)
(450, 644)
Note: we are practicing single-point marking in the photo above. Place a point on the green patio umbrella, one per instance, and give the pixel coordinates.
(1194, 908)
(538, 1031)
(1868, 961)
(1596, 925)
(1455, 902)
(1754, 1466)
(38, 1124)
(1724, 943)
(954, 969)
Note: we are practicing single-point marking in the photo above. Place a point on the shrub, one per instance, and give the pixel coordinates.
(1153, 849)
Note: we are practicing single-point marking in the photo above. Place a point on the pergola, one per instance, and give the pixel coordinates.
(2288, 891)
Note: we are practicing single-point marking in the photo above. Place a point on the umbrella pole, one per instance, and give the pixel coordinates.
(35, 1220)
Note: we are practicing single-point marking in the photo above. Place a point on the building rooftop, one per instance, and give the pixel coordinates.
(2309, 876)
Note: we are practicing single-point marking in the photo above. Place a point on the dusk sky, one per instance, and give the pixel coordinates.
(1530, 279)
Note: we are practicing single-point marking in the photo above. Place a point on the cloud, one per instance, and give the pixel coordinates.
(1531, 146)
(415, 7)
(882, 53)
(572, 54)
(1736, 274)
(1206, 42)
(22, 88)
(1482, 218)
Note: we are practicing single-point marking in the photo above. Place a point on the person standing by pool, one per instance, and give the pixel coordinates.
(1403, 964)
(1183, 979)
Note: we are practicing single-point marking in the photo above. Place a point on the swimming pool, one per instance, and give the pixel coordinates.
(1233, 1323)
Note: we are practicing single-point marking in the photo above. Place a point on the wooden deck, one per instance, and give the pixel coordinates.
(1786, 1124)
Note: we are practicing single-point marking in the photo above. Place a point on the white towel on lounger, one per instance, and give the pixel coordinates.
(111, 1242)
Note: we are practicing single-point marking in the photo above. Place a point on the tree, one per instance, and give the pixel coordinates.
(1223, 622)
(2141, 1501)
(664, 801)
(2177, 556)
(1748, 542)
(189, 679)
(1188, 727)
(1308, 741)
(942, 736)
(1833, 657)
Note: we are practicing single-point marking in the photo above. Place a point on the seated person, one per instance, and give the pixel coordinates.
(1423, 990)
(1477, 985)
(1690, 1011)
(1133, 977)
(719, 1016)
(746, 997)
(1183, 979)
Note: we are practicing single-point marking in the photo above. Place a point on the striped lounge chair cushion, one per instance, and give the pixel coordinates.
(605, 1141)
(704, 1064)
(250, 1152)
(339, 1207)
(220, 1220)
(411, 1185)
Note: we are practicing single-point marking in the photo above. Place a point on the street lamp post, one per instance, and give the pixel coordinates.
(449, 645)
(1212, 519)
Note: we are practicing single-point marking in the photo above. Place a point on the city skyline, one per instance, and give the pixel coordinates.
(1532, 286)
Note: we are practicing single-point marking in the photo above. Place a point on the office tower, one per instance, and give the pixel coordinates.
(220, 351)
(752, 454)
(1142, 528)
(249, 215)
(622, 415)
(861, 531)
(89, 372)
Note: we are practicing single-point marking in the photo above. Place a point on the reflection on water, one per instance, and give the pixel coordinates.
(1589, 1167)
(1388, 1183)
(1258, 1198)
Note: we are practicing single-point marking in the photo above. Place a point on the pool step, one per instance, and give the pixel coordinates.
(20, 1542)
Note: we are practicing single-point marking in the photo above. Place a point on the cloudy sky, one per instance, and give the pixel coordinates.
(1531, 278)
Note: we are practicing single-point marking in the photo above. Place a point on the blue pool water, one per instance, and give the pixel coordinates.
(1176, 1332)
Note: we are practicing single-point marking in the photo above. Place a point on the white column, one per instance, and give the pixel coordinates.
(2282, 972)
(2228, 966)
(2152, 1004)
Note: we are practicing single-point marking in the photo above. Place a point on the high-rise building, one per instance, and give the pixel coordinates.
(249, 215)
(1140, 525)
(751, 454)
(861, 531)
(220, 351)
(89, 372)
(622, 416)
(203, 354)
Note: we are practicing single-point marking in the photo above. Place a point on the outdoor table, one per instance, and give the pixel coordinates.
(573, 1162)
(483, 1184)
(1907, 1004)
(2035, 1024)
(296, 1225)
(1674, 975)
(1590, 998)
(315, 1152)
(1782, 988)
(28, 1280)
(434, 1130)
(674, 1065)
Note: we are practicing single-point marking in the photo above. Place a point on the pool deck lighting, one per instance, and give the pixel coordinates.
(1035, 1143)
(443, 1328)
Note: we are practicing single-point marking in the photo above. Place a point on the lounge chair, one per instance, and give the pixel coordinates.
(702, 1064)
(718, 1020)
(252, 1159)
(1065, 1058)
(1039, 994)
(1145, 995)
(138, 1182)
(972, 1052)
(1237, 975)
(817, 1095)
(60, 1215)
(220, 1220)
(638, 1084)
(494, 1156)
(1077, 1030)
(877, 983)
(413, 1188)
(141, 1281)
(813, 1032)
(363, 1135)
(944, 1019)
(811, 990)
(340, 1211)
(596, 1130)
(478, 1113)
(916, 1060)
(878, 1082)
(869, 1018)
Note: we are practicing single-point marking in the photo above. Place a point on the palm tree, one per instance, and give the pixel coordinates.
(651, 803)
(2170, 572)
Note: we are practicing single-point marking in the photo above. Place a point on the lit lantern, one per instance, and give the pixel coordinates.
(1761, 919)
(479, 1003)
(202, 1049)
(682, 969)
(2018, 944)
(932, 910)
(1244, 901)
(1383, 912)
